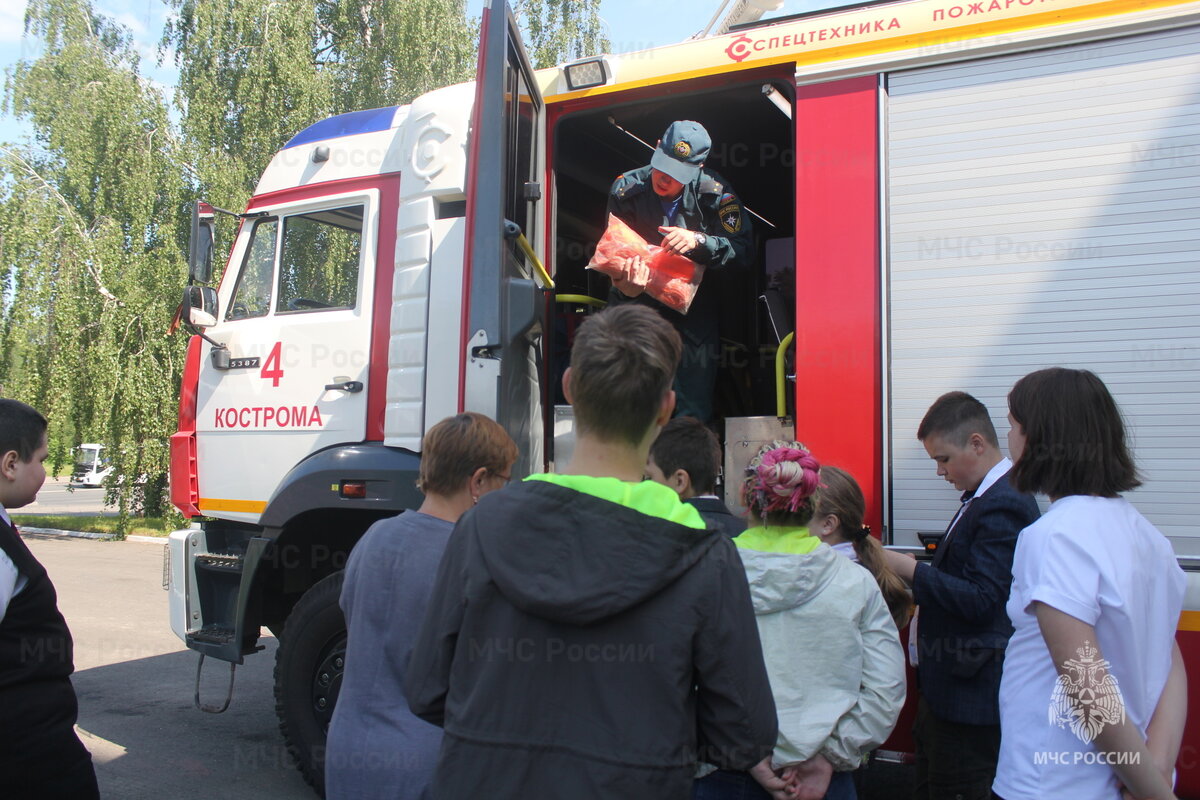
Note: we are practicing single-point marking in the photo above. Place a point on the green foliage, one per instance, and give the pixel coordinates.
(93, 210)
(253, 73)
(387, 52)
(247, 82)
(556, 31)
(96, 523)
(89, 242)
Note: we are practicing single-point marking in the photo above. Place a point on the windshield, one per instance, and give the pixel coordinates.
(87, 457)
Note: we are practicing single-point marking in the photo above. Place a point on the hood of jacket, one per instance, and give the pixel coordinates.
(782, 581)
(579, 550)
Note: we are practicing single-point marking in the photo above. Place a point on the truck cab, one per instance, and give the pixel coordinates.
(942, 204)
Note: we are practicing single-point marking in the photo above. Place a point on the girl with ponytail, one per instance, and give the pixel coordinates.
(840, 507)
(829, 643)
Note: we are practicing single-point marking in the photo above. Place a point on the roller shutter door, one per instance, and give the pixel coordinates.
(1043, 209)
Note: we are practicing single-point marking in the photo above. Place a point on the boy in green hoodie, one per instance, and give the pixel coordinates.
(589, 637)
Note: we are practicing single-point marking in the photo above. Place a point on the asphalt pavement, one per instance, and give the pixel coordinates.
(135, 682)
(58, 497)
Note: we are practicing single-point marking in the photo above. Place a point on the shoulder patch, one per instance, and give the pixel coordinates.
(731, 217)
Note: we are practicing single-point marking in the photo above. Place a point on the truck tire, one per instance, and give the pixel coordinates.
(308, 675)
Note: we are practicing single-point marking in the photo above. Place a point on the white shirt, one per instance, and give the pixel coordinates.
(11, 581)
(846, 550)
(994, 474)
(1100, 561)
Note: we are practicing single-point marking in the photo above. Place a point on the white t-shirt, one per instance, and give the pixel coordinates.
(1100, 561)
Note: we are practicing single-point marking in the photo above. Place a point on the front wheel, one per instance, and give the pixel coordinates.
(308, 675)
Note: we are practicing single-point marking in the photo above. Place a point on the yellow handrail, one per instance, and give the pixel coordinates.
(547, 281)
(581, 299)
(780, 381)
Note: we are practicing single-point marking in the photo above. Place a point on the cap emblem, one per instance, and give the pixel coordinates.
(683, 149)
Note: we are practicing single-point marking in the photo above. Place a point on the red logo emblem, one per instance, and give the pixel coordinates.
(739, 48)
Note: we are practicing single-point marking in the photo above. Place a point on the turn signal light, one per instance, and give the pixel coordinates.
(355, 490)
(930, 541)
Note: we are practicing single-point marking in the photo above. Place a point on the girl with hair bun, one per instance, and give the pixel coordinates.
(839, 523)
(831, 648)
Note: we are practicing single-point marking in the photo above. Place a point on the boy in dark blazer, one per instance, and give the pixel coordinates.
(40, 756)
(686, 456)
(962, 627)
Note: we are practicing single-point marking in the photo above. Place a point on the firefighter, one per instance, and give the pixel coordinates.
(676, 202)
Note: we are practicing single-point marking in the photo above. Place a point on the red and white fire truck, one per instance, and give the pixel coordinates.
(949, 194)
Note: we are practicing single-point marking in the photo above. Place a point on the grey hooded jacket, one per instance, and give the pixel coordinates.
(832, 652)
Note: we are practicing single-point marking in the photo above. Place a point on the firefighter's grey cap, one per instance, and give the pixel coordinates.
(682, 150)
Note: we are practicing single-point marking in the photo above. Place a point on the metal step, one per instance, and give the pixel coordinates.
(214, 634)
(220, 562)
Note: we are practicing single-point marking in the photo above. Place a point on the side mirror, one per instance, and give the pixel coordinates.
(200, 244)
(200, 306)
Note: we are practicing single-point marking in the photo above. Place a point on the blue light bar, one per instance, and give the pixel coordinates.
(369, 121)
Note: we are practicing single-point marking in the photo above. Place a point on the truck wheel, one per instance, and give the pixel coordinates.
(308, 675)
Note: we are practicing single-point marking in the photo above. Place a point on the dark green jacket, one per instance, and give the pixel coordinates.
(708, 205)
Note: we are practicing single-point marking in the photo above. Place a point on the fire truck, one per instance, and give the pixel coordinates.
(948, 194)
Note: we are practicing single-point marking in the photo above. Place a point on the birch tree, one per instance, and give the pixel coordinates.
(90, 215)
(94, 209)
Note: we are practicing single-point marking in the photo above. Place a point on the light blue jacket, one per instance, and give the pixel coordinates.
(831, 648)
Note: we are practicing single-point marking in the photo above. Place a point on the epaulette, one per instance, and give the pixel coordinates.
(625, 187)
(710, 185)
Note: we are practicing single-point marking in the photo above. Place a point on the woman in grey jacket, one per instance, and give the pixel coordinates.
(831, 648)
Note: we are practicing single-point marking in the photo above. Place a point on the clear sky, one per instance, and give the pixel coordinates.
(631, 25)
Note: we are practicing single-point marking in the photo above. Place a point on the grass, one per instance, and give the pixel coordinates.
(93, 523)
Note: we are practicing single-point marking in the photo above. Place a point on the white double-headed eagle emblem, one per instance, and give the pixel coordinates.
(1086, 697)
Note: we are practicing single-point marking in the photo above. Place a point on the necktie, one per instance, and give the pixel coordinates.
(965, 499)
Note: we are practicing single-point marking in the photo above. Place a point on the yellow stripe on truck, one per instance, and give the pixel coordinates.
(243, 506)
(1189, 621)
(907, 26)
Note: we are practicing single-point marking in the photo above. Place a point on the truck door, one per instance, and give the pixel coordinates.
(297, 322)
(504, 314)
